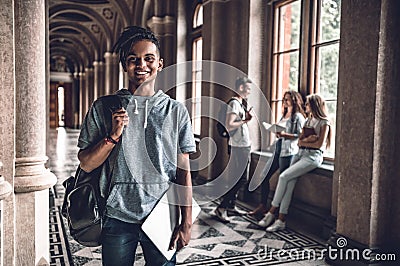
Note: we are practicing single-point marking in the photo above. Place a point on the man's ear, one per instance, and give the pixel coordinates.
(160, 64)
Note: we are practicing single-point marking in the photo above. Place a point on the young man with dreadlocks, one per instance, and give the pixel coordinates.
(143, 147)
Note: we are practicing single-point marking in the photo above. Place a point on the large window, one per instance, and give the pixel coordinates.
(306, 53)
(197, 56)
(285, 53)
(325, 51)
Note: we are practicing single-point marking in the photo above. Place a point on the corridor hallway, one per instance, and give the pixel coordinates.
(241, 242)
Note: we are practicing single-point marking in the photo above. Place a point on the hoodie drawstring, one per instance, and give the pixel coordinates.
(136, 110)
(145, 114)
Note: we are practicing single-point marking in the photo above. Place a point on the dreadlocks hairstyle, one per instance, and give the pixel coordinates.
(128, 37)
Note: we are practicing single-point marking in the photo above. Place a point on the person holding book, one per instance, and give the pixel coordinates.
(312, 141)
(146, 143)
(292, 121)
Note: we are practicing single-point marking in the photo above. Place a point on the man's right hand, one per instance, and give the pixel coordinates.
(120, 119)
(248, 115)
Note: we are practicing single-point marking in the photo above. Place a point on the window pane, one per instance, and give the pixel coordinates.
(196, 85)
(327, 83)
(198, 16)
(328, 71)
(330, 20)
(331, 112)
(288, 72)
(289, 26)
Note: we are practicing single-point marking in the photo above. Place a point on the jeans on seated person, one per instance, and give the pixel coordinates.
(119, 243)
(302, 163)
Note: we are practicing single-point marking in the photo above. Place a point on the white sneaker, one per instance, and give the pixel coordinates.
(278, 225)
(267, 220)
(222, 215)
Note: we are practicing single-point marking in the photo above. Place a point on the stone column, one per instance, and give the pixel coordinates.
(256, 52)
(101, 79)
(165, 27)
(82, 97)
(96, 79)
(108, 78)
(32, 179)
(75, 98)
(366, 164)
(89, 86)
(115, 74)
(385, 212)
(96, 70)
(220, 50)
(7, 127)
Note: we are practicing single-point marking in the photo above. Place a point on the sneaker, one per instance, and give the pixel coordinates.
(222, 215)
(235, 211)
(267, 220)
(278, 225)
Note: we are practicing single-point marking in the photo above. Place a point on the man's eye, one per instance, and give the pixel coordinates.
(149, 59)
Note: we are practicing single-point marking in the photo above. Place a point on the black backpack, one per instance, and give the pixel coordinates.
(83, 206)
(221, 128)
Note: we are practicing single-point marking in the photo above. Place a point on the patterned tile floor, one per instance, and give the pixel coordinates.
(240, 242)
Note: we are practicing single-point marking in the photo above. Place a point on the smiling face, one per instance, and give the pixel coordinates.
(142, 63)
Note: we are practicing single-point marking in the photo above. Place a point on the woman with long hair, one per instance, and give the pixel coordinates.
(312, 141)
(286, 147)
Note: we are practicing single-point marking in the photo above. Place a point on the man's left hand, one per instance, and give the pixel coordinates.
(180, 237)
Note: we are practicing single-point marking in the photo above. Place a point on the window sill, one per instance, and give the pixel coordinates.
(326, 169)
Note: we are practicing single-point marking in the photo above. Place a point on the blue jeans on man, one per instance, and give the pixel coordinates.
(119, 244)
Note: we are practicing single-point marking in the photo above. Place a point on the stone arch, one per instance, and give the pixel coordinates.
(84, 31)
(83, 10)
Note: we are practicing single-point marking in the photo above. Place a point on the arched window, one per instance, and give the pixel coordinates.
(197, 56)
(198, 16)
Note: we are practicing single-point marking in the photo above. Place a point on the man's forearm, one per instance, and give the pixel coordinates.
(93, 157)
(184, 193)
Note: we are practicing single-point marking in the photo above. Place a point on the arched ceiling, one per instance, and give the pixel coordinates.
(81, 31)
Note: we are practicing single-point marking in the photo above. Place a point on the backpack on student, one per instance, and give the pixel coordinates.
(221, 127)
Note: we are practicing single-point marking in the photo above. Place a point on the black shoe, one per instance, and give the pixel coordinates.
(222, 215)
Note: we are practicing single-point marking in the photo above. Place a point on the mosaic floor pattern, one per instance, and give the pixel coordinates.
(240, 242)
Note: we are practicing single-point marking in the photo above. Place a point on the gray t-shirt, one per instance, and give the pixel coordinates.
(145, 163)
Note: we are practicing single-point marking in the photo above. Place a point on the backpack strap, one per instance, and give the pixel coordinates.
(112, 103)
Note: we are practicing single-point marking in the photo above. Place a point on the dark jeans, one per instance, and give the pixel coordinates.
(238, 166)
(281, 163)
(119, 243)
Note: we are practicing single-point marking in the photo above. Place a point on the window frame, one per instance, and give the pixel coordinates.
(309, 50)
(195, 36)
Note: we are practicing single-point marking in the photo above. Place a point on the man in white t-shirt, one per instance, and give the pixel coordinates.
(237, 117)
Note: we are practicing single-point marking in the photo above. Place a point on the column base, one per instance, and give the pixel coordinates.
(34, 183)
(31, 175)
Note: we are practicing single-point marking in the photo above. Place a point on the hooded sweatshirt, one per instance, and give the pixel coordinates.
(142, 165)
